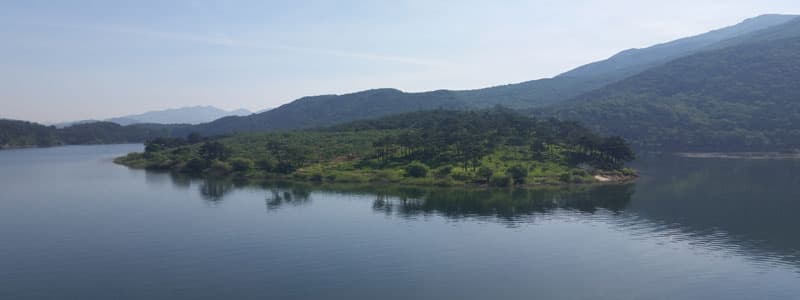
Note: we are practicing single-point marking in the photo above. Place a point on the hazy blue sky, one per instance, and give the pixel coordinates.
(69, 60)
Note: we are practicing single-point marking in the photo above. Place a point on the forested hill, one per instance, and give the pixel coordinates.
(15, 134)
(326, 110)
(736, 98)
(320, 111)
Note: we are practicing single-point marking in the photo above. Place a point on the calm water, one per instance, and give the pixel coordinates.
(75, 226)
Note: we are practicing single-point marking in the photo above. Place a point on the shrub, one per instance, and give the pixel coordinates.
(500, 181)
(241, 164)
(485, 173)
(158, 161)
(220, 167)
(195, 165)
(628, 172)
(330, 177)
(316, 177)
(518, 173)
(284, 168)
(580, 173)
(381, 176)
(566, 177)
(443, 171)
(265, 164)
(215, 151)
(444, 182)
(417, 169)
(150, 147)
(459, 175)
(351, 178)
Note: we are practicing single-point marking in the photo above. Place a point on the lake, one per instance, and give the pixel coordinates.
(73, 225)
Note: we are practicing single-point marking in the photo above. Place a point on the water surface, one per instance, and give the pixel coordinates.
(75, 226)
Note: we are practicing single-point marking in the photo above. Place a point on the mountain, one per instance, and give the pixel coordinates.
(320, 111)
(331, 109)
(183, 115)
(633, 61)
(743, 97)
(732, 88)
(538, 93)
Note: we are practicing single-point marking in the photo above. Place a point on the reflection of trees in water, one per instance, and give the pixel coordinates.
(180, 180)
(505, 204)
(215, 190)
(739, 203)
(280, 195)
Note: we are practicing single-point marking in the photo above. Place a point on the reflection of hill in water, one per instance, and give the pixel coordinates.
(746, 206)
(750, 205)
(505, 205)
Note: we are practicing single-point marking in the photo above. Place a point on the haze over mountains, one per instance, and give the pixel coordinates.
(728, 89)
(183, 115)
(571, 94)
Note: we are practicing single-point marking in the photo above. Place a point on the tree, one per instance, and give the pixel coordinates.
(241, 164)
(194, 138)
(518, 173)
(500, 181)
(417, 169)
(214, 151)
(195, 165)
(485, 173)
(616, 152)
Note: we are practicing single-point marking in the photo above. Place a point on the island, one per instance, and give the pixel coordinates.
(496, 147)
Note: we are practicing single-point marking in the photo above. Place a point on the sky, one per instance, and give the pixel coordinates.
(63, 60)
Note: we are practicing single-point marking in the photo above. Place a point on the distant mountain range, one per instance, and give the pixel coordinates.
(736, 88)
(183, 115)
(546, 96)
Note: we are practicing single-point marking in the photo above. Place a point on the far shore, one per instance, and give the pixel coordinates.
(741, 155)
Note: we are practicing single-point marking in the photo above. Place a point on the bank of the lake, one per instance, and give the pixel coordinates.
(529, 175)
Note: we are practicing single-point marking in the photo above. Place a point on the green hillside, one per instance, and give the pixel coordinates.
(744, 97)
(321, 111)
(326, 110)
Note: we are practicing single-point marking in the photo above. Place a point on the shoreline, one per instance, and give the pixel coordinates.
(740, 155)
(609, 178)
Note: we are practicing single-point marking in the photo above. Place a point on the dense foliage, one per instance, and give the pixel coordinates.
(737, 98)
(26, 134)
(441, 147)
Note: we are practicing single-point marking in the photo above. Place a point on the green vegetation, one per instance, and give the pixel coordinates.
(734, 99)
(26, 134)
(495, 147)
(16, 134)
